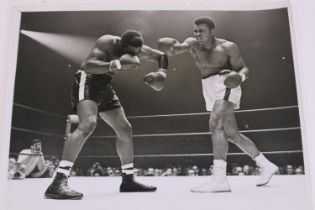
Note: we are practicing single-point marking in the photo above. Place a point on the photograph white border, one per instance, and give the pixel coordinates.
(301, 16)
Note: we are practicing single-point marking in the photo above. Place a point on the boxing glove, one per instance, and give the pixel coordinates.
(126, 61)
(129, 61)
(156, 79)
(166, 45)
(234, 79)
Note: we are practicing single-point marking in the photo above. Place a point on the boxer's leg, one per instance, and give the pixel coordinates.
(248, 146)
(116, 118)
(219, 182)
(59, 189)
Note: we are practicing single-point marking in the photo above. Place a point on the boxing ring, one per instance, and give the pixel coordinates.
(101, 193)
(285, 192)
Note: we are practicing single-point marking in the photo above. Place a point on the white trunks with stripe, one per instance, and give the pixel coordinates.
(213, 89)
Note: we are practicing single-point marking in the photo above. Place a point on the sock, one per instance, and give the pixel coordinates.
(219, 163)
(261, 160)
(65, 167)
(127, 168)
(219, 167)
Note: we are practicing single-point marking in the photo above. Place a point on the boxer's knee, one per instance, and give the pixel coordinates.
(231, 131)
(124, 132)
(216, 123)
(88, 125)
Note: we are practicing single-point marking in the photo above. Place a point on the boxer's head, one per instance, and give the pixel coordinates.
(131, 42)
(204, 29)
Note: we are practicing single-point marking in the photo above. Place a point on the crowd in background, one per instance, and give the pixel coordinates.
(97, 169)
(32, 163)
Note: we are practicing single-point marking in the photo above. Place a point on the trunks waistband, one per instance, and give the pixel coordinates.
(210, 75)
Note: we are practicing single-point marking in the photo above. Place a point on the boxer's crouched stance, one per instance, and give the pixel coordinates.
(93, 94)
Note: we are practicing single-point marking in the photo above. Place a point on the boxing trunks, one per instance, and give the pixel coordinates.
(213, 89)
(96, 87)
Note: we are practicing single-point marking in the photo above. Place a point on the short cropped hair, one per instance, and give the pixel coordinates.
(205, 20)
(132, 38)
(35, 141)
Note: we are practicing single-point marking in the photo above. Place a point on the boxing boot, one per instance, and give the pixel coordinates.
(130, 185)
(59, 189)
(268, 169)
(219, 182)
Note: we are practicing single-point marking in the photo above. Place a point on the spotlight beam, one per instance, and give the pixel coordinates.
(74, 48)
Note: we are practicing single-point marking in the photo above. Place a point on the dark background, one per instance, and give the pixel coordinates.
(44, 79)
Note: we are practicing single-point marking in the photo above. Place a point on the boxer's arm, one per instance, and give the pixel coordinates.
(237, 60)
(95, 63)
(151, 54)
(155, 79)
(171, 46)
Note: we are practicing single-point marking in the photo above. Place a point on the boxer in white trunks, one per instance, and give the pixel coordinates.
(223, 70)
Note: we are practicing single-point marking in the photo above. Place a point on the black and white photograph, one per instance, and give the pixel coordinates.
(157, 109)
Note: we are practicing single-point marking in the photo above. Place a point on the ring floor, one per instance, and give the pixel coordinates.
(101, 193)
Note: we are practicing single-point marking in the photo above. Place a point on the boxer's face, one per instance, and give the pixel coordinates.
(202, 33)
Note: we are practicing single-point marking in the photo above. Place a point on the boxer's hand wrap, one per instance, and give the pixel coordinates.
(156, 79)
(114, 66)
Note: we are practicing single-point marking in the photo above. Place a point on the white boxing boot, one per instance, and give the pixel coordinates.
(267, 170)
(219, 182)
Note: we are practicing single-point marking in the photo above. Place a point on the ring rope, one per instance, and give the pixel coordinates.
(162, 134)
(37, 110)
(201, 133)
(166, 115)
(207, 113)
(192, 155)
(177, 155)
(37, 132)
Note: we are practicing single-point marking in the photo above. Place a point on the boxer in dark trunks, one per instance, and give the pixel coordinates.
(93, 95)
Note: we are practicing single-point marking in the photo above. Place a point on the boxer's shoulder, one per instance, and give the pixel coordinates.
(107, 41)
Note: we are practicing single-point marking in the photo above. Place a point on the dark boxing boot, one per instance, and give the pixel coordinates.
(59, 189)
(130, 185)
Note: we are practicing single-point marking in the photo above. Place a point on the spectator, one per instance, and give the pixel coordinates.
(55, 161)
(203, 172)
(290, 170)
(168, 172)
(31, 162)
(157, 172)
(150, 172)
(246, 170)
(11, 167)
(191, 172)
(97, 170)
(299, 170)
(196, 170)
(236, 170)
